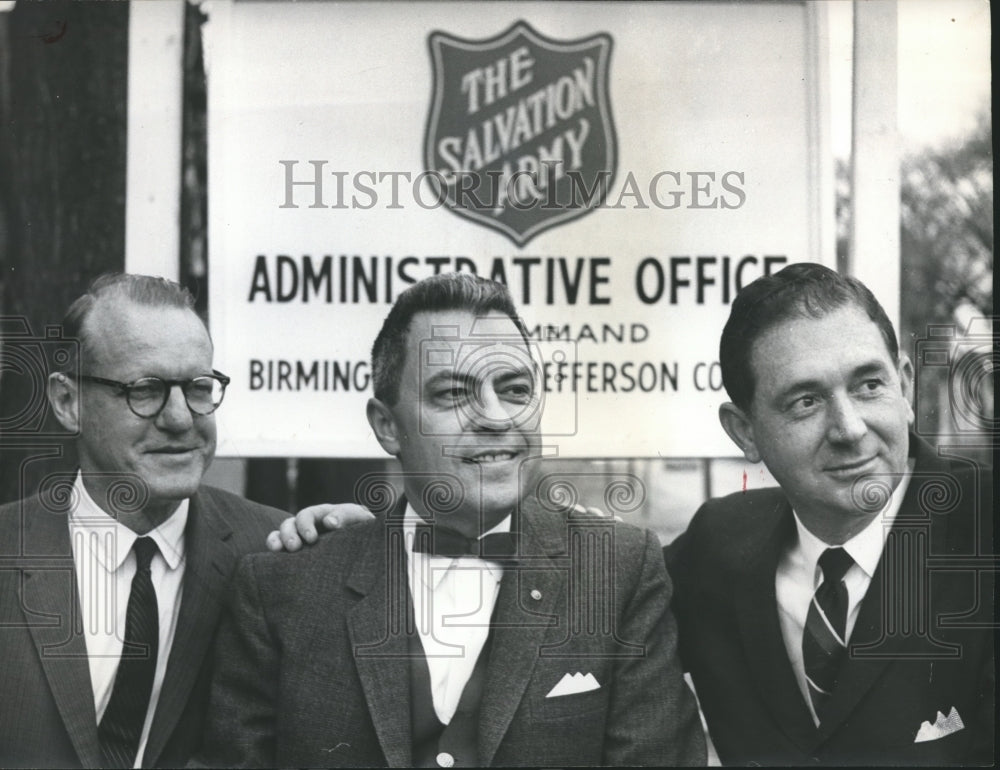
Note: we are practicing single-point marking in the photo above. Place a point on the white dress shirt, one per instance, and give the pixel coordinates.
(453, 601)
(799, 575)
(105, 566)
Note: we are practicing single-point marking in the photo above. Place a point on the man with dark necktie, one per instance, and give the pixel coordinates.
(845, 617)
(114, 576)
(452, 629)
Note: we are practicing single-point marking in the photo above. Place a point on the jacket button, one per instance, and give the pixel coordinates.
(444, 759)
(536, 594)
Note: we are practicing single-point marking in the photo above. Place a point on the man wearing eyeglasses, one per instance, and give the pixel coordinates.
(106, 624)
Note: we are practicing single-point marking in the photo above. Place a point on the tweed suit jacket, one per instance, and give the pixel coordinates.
(312, 669)
(921, 646)
(47, 716)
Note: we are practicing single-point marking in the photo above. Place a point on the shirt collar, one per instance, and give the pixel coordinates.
(87, 516)
(866, 546)
(411, 519)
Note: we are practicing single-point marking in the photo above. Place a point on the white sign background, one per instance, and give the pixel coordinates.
(694, 88)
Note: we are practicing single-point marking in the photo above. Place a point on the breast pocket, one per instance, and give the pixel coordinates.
(577, 704)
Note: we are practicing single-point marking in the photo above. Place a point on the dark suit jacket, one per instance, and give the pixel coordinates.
(312, 669)
(47, 716)
(921, 643)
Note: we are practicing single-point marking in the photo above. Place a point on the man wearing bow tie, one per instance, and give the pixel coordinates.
(845, 617)
(469, 623)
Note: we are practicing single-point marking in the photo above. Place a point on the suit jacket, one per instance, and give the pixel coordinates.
(921, 645)
(47, 717)
(312, 668)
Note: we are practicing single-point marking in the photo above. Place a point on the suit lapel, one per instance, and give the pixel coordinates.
(520, 633)
(50, 595)
(757, 617)
(378, 627)
(209, 559)
(889, 604)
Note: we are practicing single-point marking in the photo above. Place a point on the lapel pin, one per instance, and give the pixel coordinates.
(536, 594)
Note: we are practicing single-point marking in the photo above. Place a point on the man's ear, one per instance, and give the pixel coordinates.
(906, 382)
(383, 425)
(64, 398)
(737, 424)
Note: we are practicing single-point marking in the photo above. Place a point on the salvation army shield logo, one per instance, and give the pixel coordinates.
(520, 136)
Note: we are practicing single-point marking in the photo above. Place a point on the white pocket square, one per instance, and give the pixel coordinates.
(571, 684)
(943, 725)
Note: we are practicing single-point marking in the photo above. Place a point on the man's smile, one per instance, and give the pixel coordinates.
(852, 467)
(173, 450)
(491, 456)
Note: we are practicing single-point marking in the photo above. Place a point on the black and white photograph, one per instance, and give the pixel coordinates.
(467, 383)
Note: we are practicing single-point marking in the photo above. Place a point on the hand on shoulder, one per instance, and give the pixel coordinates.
(305, 527)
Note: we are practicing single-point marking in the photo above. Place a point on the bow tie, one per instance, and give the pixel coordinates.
(499, 546)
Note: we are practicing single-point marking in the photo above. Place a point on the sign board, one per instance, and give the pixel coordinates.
(623, 168)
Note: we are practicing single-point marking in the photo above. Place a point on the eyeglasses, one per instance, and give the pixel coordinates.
(147, 396)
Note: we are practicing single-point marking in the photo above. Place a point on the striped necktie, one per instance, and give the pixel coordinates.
(125, 714)
(824, 641)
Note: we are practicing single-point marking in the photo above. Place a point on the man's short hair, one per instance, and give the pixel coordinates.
(146, 290)
(801, 290)
(447, 291)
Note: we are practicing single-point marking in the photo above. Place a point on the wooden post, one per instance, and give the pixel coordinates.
(155, 87)
(874, 249)
(62, 184)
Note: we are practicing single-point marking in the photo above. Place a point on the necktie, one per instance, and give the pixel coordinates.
(824, 642)
(499, 546)
(121, 727)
